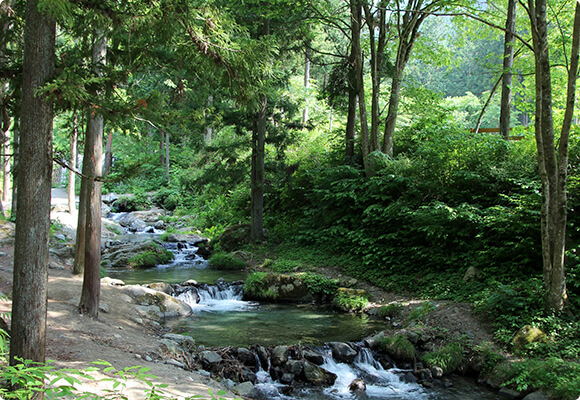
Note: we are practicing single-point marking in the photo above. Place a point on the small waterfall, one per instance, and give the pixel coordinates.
(185, 254)
(219, 297)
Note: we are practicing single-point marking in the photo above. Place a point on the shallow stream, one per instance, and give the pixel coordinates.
(222, 318)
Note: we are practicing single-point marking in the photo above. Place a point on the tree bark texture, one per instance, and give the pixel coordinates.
(305, 112)
(108, 154)
(257, 174)
(552, 171)
(15, 150)
(73, 165)
(508, 64)
(409, 21)
(90, 296)
(5, 126)
(355, 19)
(79, 262)
(29, 299)
(377, 48)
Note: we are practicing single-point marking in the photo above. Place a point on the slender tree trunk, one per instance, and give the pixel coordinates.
(377, 47)
(15, 150)
(167, 155)
(355, 21)
(306, 85)
(391, 120)
(208, 130)
(508, 64)
(108, 154)
(79, 262)
(257, 175)
(90, 296)
(73, 164)
(553, 172)
(29, 294)
(5, 145)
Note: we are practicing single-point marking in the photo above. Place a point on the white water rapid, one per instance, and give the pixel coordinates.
(381, 384)
(216, 298)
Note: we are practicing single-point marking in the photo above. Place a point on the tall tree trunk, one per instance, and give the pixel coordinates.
(5, 126)
(208, 130)
(79, 262)
(167, 155)
(29, 294)
(306, 85)
(15, 150)
(408, 24)
(553, 171)
(257, 174)
(377, 47)
(355, 21)
(391, 120)
(486, 105)
(108, 154)
(508, 64)
(90, 296)
(73, 165)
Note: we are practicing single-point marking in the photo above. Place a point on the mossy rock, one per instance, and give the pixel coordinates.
(276, 287)
(136, 255)
(526, 336)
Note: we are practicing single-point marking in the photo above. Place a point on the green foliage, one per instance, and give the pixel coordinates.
(398, 347)
(555, 376)
(227, 262)
(350, 300)
(256, 286)
(448, 358)
(392, 310)
(320, 285)
(286, 266)
(150, 258)
(490, 356)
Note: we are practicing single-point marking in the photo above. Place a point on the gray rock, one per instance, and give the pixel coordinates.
(156, 303)
(509, 393)
(342, 352)
(245, 389)
(317, 375)
(280, 355)
(104, 307)
(313, 357)
(107, 281)
(173, 362)
(287, 378)
(171, 346)
(409, 378)
(63, 251)
(185, 342)
(358, 385)
(209, 358)
(228, 383)
(161, 287)
(2, 254)
(159, 225)
(263, 356)
(536, 396)
(246, 357)
(373, 341)
(186, 238)
(295, 367)
(248, 375)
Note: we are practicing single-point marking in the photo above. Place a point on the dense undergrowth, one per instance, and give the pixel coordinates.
(447, 201)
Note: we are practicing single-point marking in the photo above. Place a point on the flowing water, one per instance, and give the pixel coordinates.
(222, 318)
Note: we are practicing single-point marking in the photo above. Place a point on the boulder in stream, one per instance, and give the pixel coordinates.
(343, 352)
(156, 305)
(280, 355)
(318, 376)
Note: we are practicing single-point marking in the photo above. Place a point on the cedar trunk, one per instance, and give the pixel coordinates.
(257, 174)
(90, 295)
(508, 64)
(29, 297)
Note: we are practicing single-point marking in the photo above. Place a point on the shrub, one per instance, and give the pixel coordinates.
(421, 311)
(150, 258)
(392, 311)
(351, 300)
(227, 262)
(398, 347)
(448, 358)
(256, 286)
(320, 285)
